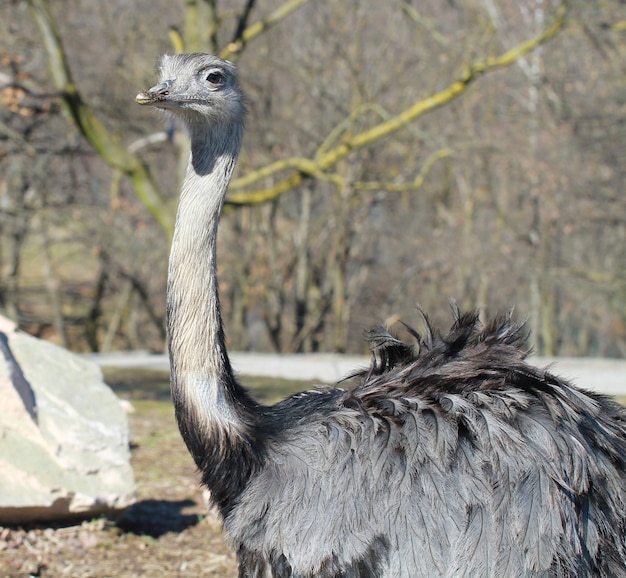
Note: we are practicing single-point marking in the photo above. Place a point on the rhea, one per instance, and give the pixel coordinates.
(451, 457)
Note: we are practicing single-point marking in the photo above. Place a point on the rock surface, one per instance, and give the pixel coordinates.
(64, 438)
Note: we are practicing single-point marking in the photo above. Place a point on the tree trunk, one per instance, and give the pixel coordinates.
(52, 283)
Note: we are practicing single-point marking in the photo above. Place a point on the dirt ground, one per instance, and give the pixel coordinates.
(168, 532)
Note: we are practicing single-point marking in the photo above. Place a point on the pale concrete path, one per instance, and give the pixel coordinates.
(602, 375)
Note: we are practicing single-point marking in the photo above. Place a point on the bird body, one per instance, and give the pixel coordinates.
(455, 458)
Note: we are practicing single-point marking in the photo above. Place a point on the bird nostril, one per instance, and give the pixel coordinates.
(161, 89)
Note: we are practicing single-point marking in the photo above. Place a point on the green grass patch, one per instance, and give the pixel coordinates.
(137, 383)
(270, 390)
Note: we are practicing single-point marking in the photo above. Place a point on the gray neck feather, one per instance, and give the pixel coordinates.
(201, 372)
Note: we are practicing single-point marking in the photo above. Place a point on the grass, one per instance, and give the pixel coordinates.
(137, 383)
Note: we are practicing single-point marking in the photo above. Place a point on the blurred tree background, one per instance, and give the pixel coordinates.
(396, 153)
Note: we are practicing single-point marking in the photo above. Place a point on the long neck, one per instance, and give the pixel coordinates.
(214, 413)
(195, 330)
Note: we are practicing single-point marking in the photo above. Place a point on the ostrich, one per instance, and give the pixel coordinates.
(449, 457)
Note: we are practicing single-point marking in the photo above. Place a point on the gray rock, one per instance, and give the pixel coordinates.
(64, 439)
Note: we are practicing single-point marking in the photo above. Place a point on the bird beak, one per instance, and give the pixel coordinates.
(155, 94)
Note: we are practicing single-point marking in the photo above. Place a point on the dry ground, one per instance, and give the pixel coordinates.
(167, 533)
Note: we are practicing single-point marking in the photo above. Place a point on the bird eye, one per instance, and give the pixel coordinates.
(215, 77)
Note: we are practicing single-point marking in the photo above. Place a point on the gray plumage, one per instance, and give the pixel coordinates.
(453, 457)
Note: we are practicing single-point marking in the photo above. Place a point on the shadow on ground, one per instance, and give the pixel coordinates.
(155, 518)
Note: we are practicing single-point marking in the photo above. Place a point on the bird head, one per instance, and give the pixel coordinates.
(196, 84)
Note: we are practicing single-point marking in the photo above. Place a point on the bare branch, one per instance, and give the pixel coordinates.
(254, 30)
(415, 184)
(306, 168)
(105, 144)
(154, 138)
(242, 22)
(424, 23)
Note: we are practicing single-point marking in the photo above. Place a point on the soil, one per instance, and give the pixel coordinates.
(169, 532)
